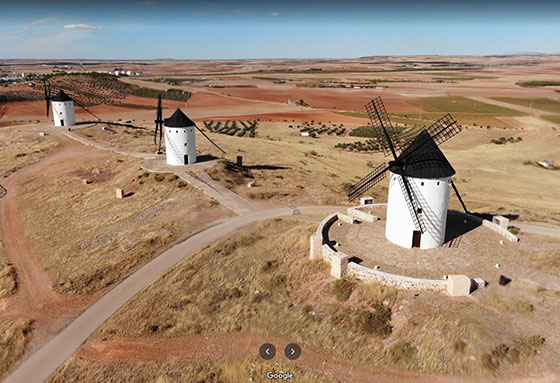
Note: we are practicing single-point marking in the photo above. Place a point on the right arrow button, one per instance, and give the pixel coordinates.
(292, 351)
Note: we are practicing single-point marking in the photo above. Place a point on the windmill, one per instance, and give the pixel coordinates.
(159, 126)
(48, 94)
(420, 179)
(180, 140)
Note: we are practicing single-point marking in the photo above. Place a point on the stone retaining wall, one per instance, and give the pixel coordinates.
(321, 248)
(491, 225)
(399, 281)
(362, 216)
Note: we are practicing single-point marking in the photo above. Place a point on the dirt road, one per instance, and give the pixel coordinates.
(206, 347)
(36, 299)
(46, 359)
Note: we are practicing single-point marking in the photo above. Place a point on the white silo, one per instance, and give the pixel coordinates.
(63, 110)
(429, 176)
(180, 140)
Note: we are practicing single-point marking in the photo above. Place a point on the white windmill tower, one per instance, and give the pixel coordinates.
(63, 110)
(180, 139)
(420, 180)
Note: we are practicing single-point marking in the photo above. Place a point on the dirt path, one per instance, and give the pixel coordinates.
(46, 359)
(206, 347)
(196, 176)
(97, 145)
(35, 299)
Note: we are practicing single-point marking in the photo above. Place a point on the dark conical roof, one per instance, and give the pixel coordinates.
(178, 120)
(427, 161)
(61, 96)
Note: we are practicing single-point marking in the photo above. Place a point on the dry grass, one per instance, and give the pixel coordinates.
(20, 147)
(520, 351)
(245, 283)
(14, 337)
(228, 371)
(140, 140)
(88, 239)
(8, 282)
(547, 261)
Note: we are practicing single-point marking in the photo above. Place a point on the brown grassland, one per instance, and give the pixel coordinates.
(14, 338)
(20, 147)
(174, 371)
(244, 283)
(8, 283)
(82, 234)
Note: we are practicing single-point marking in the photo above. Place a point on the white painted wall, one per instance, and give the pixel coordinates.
(63, 111)
(434, 200)
(178, 143)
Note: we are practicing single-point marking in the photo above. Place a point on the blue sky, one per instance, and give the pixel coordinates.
(146, 29)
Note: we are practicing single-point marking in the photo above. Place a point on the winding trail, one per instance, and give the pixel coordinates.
(206, 347)
(46, 359)
(35, 299)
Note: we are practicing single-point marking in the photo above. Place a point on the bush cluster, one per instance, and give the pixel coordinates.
(246, 128)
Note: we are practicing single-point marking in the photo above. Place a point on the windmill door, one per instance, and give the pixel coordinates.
(61, 122)
(186, 159)
(416, 235)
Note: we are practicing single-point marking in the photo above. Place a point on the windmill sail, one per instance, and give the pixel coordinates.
(386, 133)
(366, 183)
(443, 129)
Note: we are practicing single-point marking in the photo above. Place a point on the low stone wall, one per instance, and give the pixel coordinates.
(492, 226)
(399, 281)
(361, 216)
(320, 248)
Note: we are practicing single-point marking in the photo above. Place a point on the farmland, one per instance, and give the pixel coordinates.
(68, 241)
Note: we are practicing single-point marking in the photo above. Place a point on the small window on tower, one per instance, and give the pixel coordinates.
(438, 183)
(176, 131)
(421, 183)
(185, 144)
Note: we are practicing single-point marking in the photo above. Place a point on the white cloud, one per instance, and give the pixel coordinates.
(82, 27)
(36, 44)
(274, 14)
(46, 20)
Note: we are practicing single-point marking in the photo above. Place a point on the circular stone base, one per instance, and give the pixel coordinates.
(469, 249)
